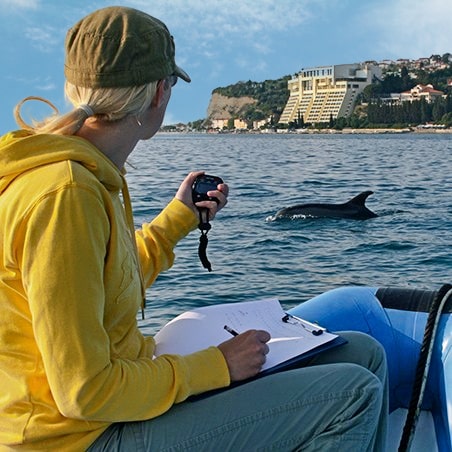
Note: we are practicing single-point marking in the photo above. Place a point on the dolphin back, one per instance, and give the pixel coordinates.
(360, 199)
(354, 209)
(359, 202)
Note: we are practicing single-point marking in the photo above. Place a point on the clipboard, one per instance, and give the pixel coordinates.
(293, 340)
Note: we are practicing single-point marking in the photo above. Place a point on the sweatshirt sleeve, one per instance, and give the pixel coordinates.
(65, 240)
(156, 240)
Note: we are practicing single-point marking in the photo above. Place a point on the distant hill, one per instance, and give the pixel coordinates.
(253, 101)
(259, 100)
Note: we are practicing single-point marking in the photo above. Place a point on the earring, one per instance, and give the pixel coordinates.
(138, 121)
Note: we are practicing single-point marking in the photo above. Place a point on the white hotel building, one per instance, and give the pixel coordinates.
(318, 93)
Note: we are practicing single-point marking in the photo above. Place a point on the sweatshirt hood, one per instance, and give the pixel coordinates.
(21, 151)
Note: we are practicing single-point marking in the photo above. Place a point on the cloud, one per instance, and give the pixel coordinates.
(226, 37)
(229, 17)
(411, 28)
(44, 39)
(237, 19)
(19, 4)
(219, 24)
(37, 83)
(47, 86)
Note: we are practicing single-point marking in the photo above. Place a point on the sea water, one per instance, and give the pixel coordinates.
(407, 245)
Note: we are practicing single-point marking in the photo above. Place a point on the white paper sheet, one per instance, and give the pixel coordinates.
(202, 327)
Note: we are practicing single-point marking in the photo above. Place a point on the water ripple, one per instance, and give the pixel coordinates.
(252, 256)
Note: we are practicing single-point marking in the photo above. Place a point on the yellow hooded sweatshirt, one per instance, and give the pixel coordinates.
(72, 360)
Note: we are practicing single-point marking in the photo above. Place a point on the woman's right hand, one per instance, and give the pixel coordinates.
(184, 194)
(245, 354)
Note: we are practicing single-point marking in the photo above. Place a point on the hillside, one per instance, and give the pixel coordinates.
(249, 100)
(253, 101)
(224, 107)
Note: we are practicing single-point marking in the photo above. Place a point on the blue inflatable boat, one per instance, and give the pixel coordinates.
(420, 372)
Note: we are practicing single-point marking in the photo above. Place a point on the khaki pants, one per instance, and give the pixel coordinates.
(339, 402)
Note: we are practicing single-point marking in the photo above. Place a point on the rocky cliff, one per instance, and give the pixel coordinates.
(224, 107)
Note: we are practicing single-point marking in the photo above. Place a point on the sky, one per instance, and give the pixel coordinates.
(220, 42)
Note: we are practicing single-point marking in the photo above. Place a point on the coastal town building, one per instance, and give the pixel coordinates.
(321, 93)
(240, 124)
(219, 124)
(262, 123)
(426, 92)
(224, 123)
(419, 92)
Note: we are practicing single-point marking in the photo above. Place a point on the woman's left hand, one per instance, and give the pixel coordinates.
(184, 194)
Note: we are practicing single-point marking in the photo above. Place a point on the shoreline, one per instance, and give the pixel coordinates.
(346, 131)
(378, 131)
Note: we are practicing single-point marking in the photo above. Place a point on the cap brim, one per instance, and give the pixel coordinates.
(182, 74)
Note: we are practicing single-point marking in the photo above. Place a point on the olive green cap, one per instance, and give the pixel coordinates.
(119, 47)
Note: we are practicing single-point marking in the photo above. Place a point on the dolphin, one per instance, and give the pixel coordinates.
(355, 209)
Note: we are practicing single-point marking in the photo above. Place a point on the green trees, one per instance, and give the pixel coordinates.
(271, 96)
(409, 113)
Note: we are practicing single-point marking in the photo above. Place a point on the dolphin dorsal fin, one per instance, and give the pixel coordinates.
(361, 198)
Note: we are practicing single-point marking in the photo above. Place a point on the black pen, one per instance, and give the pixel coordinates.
(230, 330)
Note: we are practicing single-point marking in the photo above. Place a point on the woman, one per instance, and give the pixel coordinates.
(76, 372)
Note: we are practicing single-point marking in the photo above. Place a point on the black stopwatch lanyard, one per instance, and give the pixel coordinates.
(204, 227)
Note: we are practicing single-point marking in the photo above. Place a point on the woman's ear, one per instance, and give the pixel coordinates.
(159, 94)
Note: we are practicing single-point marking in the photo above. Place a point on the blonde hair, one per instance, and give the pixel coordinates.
(104, 104)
